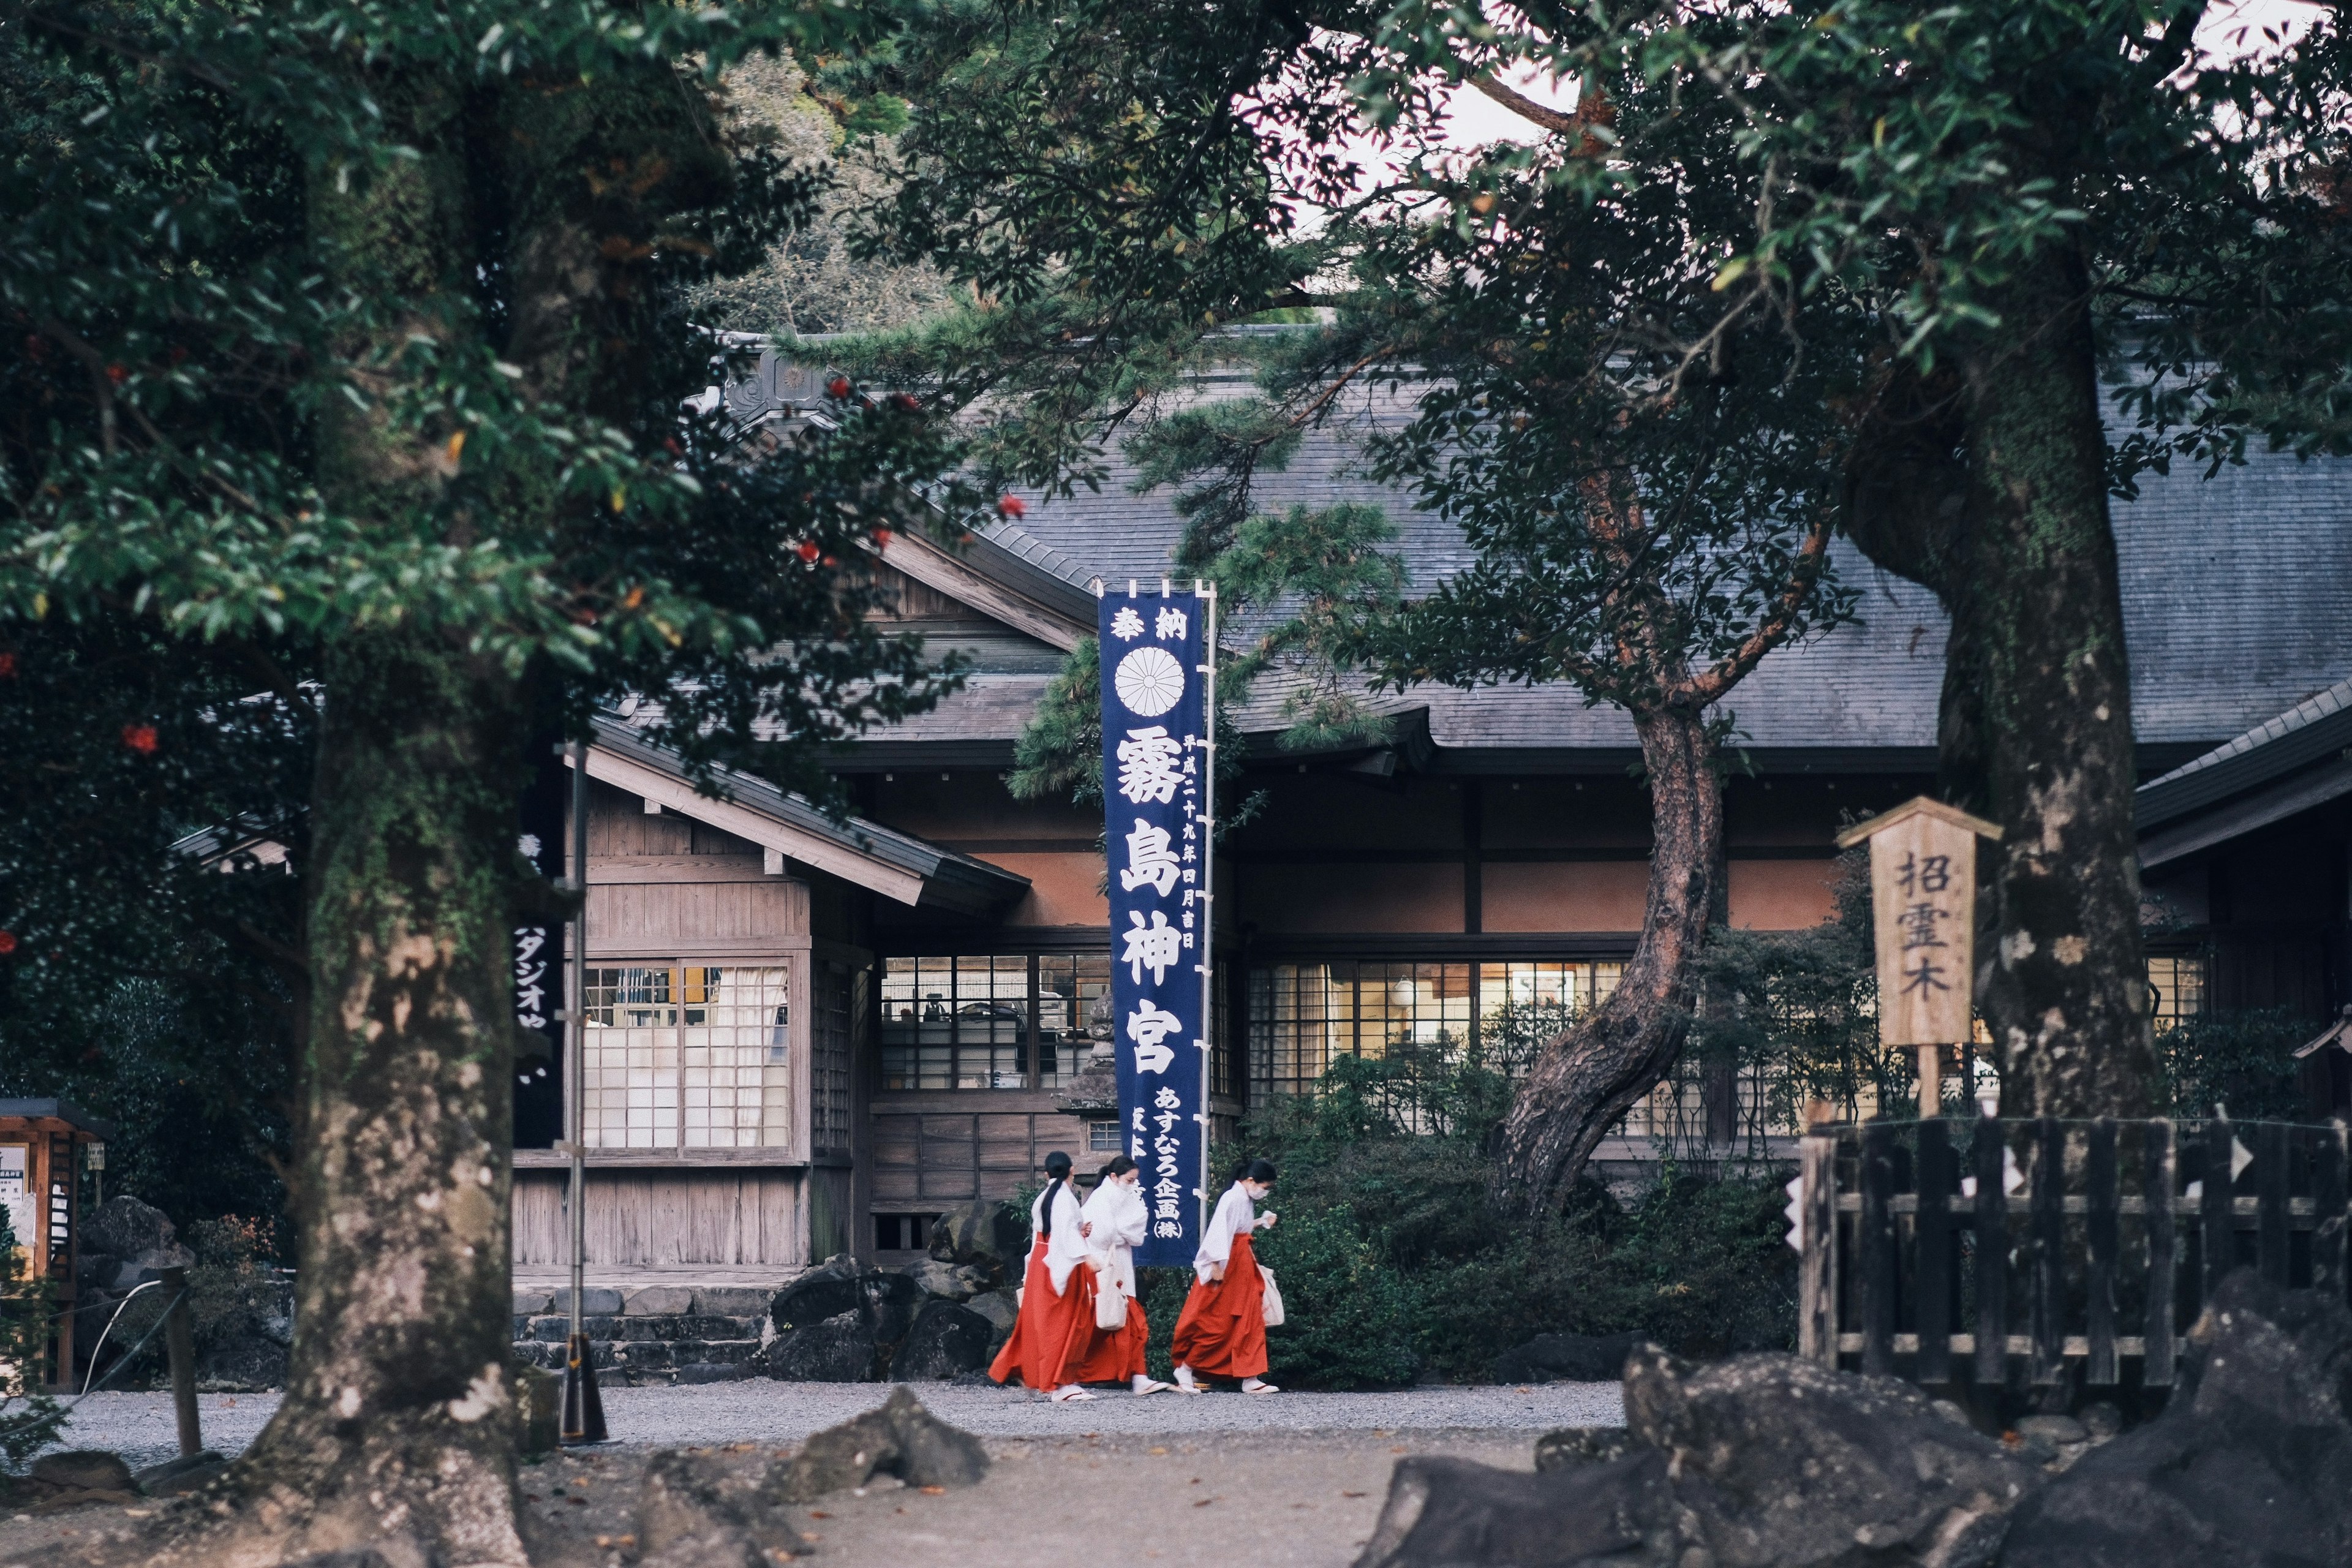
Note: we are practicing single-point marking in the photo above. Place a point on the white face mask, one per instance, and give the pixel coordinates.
(1257, 1193)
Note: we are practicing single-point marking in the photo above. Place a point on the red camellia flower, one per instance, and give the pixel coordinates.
(881, 539)
(139, 737)
(7, 666)
(117, 375)
(807, 550)
(837, 388)
(905, 400)
(1012, 506)
(830, 561)
(8, 941)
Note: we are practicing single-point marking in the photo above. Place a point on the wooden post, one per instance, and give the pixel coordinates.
(1933, 1234)
(2048, 1250)
(2218, 1204)
(2163, 1279)
(1817, 1322)
(1876, 1244)
(2272, 1187)
(2099, 1179)
(2328, 1219)
(179, 1348)
(1931, 1081)
(1992, 1255)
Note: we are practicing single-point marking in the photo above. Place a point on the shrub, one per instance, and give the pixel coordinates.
(29, 1418)
(1351, 1319)
(2245, 1060)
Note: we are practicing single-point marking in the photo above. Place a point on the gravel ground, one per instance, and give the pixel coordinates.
(139, 1426)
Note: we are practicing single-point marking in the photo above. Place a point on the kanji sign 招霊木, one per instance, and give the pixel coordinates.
(1923, 886)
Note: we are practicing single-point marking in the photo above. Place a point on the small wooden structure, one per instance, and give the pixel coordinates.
(44, 1144)
(1953, 1245)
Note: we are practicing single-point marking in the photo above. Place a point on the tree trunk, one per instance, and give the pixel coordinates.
(1584, 1080)
(2063, 982)
(397, 1429)
(1986, 483)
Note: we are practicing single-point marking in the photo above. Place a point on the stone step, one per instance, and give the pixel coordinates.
(651, 1356)
(649, 1301)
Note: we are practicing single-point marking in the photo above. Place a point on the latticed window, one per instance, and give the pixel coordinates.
(988, 1021)
(2176, 990)
(687, 1058)
(1303, 1017)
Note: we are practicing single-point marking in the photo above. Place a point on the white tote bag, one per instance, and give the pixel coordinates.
(1110, 1301)
(1273, 1297)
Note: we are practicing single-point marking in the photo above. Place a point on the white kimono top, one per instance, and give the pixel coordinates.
(1235, 1215)
(1117, 1211)
(1066, 1248)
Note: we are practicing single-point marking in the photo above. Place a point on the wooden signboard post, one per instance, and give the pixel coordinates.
(1923, 902)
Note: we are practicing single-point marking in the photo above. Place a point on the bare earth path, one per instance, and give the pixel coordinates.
(1294, 1480)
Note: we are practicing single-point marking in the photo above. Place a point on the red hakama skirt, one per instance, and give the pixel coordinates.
(1113, 1356)
(1221, 1332)
(1050, 1334)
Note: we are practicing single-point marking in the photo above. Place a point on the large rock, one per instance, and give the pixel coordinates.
(885, 1301)
(1787, 1462)
(900, 1439)
(189, 1472)
(1567, 1358)
(949, 1281)
(825, 1291)
(241, 1365)
(138, 1233)
(990, 1236)
(1441, 1513)
(2249, 1464)
(1763, 1461)
(90, 1469)
(946, 1341)
(1001, 1308)
(689, 1518)
(840, 1349)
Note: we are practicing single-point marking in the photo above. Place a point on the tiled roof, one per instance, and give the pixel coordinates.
(2236, 591)
(2317, 729)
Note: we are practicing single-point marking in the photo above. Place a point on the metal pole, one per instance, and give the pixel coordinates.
(582, 1420)
(576, 1112)
(1206, 594)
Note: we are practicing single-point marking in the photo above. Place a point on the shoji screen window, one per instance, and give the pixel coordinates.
(688, 1058)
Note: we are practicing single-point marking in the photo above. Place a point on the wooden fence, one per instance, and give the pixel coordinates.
(2110, 1232)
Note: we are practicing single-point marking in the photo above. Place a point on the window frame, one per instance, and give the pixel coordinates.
(790, 992)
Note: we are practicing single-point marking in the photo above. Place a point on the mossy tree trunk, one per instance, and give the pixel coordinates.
(1986, 483)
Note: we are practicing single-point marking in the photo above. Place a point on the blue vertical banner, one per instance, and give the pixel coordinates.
(1157, 769)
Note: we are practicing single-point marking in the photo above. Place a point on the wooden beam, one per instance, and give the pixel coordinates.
(938, 570)
(809, 849)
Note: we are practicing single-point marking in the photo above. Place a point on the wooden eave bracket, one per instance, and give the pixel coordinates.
(1919, 805)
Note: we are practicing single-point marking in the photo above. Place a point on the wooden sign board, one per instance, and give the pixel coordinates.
(1923, 901)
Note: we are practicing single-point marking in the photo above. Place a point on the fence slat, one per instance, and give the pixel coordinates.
(2271, 1183)
(2049, 1221)
(2327, 1209)
(1933, 1231)
(1817, 1328)
(1991, 1255)
(2099, 1179)
(2156, 1364)
(2219, 1233)
(1878, 1251)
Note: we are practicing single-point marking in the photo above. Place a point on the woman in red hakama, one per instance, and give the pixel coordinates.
(1057, 1298)
(1221, 1332)
(1115, 1222)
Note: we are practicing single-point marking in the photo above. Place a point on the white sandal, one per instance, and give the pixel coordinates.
(1259, 1386)
(1070, 1395)
(1153, 1385)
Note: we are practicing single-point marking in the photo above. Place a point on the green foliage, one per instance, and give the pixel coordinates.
(2244, 1060)
(1393, 1265)
(29, 1418)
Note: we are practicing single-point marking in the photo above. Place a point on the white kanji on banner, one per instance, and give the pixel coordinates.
(1149, 861)
(1156, 947)
(1146, 765)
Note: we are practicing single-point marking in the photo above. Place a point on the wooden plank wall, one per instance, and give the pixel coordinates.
(922, 1163)
(720, 1216)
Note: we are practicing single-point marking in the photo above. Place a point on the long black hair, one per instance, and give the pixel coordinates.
(1058, 1167)
(1119, 1166)
(1258, 1171)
